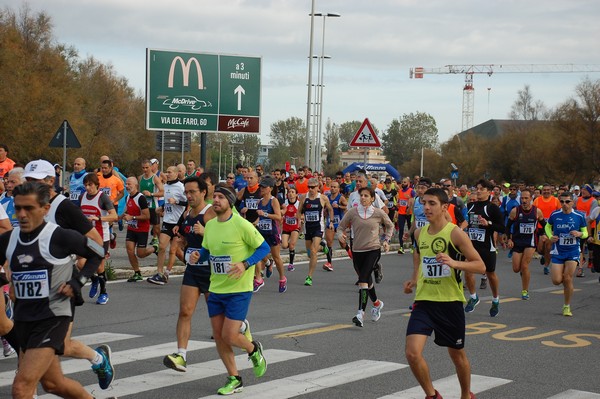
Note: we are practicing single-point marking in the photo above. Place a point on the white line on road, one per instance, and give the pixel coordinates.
(448, 387)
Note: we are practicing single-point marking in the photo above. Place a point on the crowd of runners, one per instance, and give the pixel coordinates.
(231, 235)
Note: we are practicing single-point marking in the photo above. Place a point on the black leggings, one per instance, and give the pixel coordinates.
(364, 263)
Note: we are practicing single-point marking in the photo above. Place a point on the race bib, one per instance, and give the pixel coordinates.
(31, 285)
(168, 208)
(567, 240)
(133, 224)
(74, 196)
(477, 234)
(403, 202)
(290, 220)
(420, 223)
(220, 264)
(336, 219)
(526, 228)
(431, 268)
(265, 224)
(311, 216)
(106, 190)
(252, 203)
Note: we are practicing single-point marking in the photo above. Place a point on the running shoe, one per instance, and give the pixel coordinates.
(102, 299)
(327, 267)
(525, 295)
(135, 277)
(120, 224)
(158, 279)
(308, 281)
(166, 275)
(378, 273)
(269, 268)
(234, 385)
(245, 329)
(113, 241)
(510, 252)
(483, 284)
(176, 362)
(104, 370)
(259, 363)
(8, 350)
(283, 285)
(376, 311)
(154, 241)
(495, 309)
(258, 284)
(156, 247)
(546, 270)
(291, 267)
(542, 260)
(400, 251)
(358, 319)
(580, 272)
(436, 396)
(471, 304)
(325, 249)
(567, 310)
(94, 287)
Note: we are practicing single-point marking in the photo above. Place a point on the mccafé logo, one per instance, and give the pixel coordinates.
(185, 69)
(238, 122)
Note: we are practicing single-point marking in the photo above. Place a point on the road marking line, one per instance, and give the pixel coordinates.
(127, 356)
(574, 394)
(448, 387)
(317, 380)
(166, 378)
(560, 292)
(505, 300)
(103, 337)
(314, 331)
(288, 329)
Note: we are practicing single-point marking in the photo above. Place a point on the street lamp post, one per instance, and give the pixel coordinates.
(309, 88)
(219, 174)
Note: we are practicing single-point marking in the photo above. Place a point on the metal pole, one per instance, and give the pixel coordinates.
(162, 150)
(203, 149)
(309, 94)
(314, 139)
(421, 161)
(182, 145)
(219, 174)
(62, 175)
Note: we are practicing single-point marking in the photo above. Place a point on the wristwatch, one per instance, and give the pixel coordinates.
(246, 264)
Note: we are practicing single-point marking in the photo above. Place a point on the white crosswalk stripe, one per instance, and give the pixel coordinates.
(574, 394)
(317, 380)
(448, 387)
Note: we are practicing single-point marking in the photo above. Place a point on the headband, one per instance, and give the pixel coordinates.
(227, 193)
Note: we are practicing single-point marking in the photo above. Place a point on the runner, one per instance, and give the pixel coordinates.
(250, 197)
(151, 186)
(585, 204)
(593, 240)
(137, 217)
(76, 187)
(291, 225)
(175, 204)
(233, 246)
(522, 237)
(439, 298)
(99, 210)
(366, 249)
(547, 203)
(419, 219)
(406, 196)
(485, 218)
(565, 229)
(338, 204)
(43, 316)
(269, 218)
(311, 208)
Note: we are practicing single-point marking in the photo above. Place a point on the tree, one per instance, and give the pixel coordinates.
(525, 108)
(346, 132)
(332, 161)
(288, 138)
(406, 136)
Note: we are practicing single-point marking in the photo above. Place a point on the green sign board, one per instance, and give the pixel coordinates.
(202, 92)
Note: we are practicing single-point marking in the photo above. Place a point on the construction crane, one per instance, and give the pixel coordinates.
(490, 69)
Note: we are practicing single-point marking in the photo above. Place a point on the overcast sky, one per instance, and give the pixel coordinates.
(372, 47)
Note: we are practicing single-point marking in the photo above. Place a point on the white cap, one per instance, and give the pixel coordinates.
(153, 161)
(575, 188)
(39, 169)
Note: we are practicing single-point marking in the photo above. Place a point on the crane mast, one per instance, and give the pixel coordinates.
(468, 105)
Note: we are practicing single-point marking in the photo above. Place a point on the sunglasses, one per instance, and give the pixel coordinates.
(565, 201)
(447, 186)
(230, 177)
(312, 186)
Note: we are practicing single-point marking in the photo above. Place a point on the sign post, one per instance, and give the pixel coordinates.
(64, 137)
(202, 92)
(365, 137)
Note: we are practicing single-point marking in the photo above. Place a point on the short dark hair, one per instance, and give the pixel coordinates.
(369, 189)
(209, 175)
(91, 178)
(108, 162)
(202, 186)
(439, 193)
(565, 194)
(485, 184)
(424, 181)
(4, 146)
(39, 189)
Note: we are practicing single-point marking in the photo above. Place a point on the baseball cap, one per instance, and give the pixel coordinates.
(388, 180)
(39, 169)
(267, 181)
(575, 188)
(56, 165)
(153, 161)
(507, 185)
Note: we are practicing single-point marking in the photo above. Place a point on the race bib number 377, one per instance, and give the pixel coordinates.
(31, 285)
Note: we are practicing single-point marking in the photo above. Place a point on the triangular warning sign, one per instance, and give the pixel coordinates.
(365, 137)
(59, 138)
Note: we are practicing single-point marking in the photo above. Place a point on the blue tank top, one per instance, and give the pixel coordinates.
(76, 188)
(338, 213)
(9, 206)
(524, 227)
(419, 213)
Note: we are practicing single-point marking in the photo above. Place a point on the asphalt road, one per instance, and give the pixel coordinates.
(314, 351)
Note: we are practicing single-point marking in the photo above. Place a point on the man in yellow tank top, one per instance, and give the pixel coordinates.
(445, 251)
